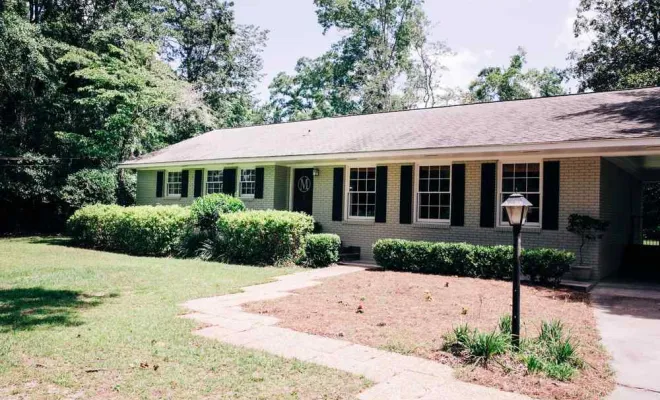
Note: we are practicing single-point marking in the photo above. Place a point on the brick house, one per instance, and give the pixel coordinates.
(436, 174)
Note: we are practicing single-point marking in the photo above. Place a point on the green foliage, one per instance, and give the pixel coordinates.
(321, 249)
(624, 44)
(546, 266)
(511, 83)
(126, 188)
(587, 228)
(205, 210)
(90, 186)
(504, 325)
(462, 259)
(144, 230)
(551, 353)
(482, 347)
(262, 237)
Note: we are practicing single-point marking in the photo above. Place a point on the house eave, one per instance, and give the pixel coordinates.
(607, 147)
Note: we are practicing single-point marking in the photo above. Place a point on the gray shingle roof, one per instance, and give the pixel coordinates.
(610, 115)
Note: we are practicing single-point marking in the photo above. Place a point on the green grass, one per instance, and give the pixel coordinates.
(84, 323)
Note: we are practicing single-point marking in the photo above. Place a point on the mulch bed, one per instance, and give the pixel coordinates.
(409, 313)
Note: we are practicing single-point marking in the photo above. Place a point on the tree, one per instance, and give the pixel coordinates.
(319, 88)
(512, 83)
(128, 98)
(380, 35)
(423, 76)
(625, 51)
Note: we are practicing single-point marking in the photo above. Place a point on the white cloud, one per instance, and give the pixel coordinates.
(462, 67)
(566, 37)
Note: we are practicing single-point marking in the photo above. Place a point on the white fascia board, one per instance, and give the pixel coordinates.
(585, 148)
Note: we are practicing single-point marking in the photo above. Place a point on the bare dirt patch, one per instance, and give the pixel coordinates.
(410, 313)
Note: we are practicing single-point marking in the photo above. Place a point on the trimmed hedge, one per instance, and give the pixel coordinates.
(263, 237)
(143, 230)
(462, 259)
(204, 211)
(321, 250)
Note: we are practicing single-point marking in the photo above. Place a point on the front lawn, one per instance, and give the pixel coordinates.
(86, 324)
(411, 314)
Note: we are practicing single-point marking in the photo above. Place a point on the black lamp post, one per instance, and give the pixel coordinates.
(516, 207)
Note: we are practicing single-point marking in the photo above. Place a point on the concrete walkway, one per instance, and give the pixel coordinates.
(628, 318)
(395, 376)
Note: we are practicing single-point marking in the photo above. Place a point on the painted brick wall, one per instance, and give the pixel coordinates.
(620, 200)
(579, 192)
(146, 190)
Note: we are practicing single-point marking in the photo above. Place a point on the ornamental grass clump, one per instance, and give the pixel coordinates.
(552, 353)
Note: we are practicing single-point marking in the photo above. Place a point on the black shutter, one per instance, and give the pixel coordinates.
(160, 177)
(381, 194)
(551, 195)
(488, 188)
(337, 194)
(259, 184)
(457, 194)
(406, 195)
(184, 183)
(197, 191)
(229, 181)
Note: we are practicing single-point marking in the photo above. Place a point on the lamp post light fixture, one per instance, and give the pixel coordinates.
(516, 207)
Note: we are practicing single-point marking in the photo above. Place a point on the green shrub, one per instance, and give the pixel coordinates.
(90, 186)
(204, 211)
(546, 266)
(263, 237)
(144, 230)
(504, 324)
(484, 346)
(462, 259)
(321, 249)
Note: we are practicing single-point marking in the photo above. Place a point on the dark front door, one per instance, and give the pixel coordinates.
(303, 190)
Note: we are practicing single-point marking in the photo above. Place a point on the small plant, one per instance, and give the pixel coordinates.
(561, 372)
(484, 346)
(505, 324)
(533, 364)
(551, 331)
(459, 338)
(587, 228)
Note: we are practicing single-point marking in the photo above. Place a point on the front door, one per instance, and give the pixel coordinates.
(303, 189)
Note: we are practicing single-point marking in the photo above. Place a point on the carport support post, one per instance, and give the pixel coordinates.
(515, 314)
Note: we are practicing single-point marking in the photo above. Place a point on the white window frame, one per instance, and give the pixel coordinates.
(167, 184)
(500, 210)
(206, 179)
(239, 181)
(347, 191)
(416, 176)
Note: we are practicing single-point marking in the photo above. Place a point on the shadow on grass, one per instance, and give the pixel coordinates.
(53, 240)
(27, 308)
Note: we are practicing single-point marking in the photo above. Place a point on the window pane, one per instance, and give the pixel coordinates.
(354, 210)
(423, 213)
(534, 199)
(507, 185)
(371, 185)
(434, 185)
(423, 172)
(434, 213)
(533, 170)
(444, 185)
(533, 215)
(445, 199)
(435, 173)
(362, 210)
(435, 199)
(520, 185)
(353, 173)
(371, 198)
(520, 169)
(444, 212)
(362, 173)
(507, 171)
(445, 172)
(533, 185)
(371, 210)
(424, 199)
(424, 185)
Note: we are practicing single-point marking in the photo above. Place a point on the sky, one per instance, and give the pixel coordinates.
(480, 32)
